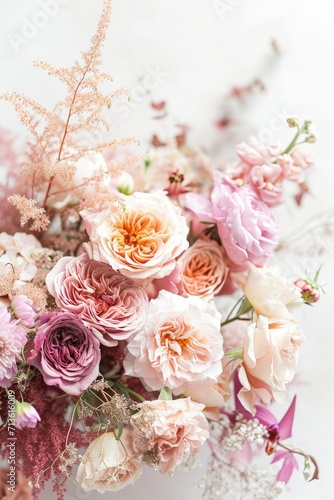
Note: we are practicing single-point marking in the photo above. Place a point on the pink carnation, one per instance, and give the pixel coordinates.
(246, 227)
(179, 346)
(66, 352)
(112, 305)
(169, 430)
(12, 339)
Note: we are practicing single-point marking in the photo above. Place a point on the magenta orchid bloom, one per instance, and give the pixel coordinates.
(279, 431)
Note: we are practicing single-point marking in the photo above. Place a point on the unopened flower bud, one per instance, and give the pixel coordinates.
(26, 415)
(292, 121)
(309, 290)
(24, 310)
(312, 138)
(125, 183)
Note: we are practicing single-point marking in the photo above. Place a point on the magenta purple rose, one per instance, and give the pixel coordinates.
(66, 352)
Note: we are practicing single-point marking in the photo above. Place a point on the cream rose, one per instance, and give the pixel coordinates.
(268, 291)
(270, 356)
(109, 464)
(179, 346)
(140, 236)
(202, 269)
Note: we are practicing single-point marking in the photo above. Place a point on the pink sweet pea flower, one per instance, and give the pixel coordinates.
(26, 415)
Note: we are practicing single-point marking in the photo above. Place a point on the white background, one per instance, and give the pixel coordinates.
(202, 50)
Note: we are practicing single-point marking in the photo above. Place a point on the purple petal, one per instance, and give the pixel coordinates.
(265, 416)
(285, 425)
(289, 464)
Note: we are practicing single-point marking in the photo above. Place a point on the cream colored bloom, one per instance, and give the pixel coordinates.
(270, 356)
(269, 292)
(108, 464)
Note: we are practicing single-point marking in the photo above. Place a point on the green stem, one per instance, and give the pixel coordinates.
(233, 319)
(126, 390)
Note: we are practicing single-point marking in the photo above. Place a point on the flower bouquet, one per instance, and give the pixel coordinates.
(139, 320)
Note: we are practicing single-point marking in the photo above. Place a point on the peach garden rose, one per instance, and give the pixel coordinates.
(140, 236)
(168, 432)
(180, 345)
(202, 269)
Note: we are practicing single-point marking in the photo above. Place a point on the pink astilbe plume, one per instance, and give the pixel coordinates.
(58, 144)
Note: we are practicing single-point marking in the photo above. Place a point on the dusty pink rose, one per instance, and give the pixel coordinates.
(269, 292)
(270, 356)
(26, 415)
(112, 305)
(246, 227)
(202, 269)
(140, 237)
(12, 339)
(24, 310)
(179, 346)
(66, 352)
(109, 464)
(170, 430)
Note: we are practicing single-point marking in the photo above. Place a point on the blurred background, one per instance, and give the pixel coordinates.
(227, 69)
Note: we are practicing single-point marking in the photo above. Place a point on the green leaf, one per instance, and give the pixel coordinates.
(245, 307)
(165, 394)
(236, 353)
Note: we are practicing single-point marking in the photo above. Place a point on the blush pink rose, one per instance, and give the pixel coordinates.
(246, 227)
(202, 269)
(140, 237)
(66, 352)
(109, 464)
(112, 305)
(170, 430)
(179, 346)
(270, 356)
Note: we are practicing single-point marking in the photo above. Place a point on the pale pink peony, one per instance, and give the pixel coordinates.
(25, 415)
(179, 346)
(140, 236)
(246, 227)
(12, 339)
(109, 464)
(66, 352)
(169, 430)
(24, 310)
(112, 305)
(202, 269)
(269, 292)
(270, 356)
